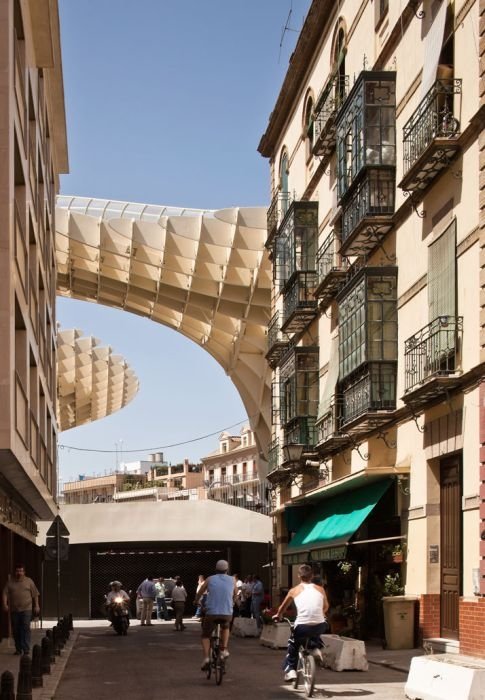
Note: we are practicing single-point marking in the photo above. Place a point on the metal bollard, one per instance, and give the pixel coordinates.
(36, 667)
(50, 637)
(7, 686)
(24, 682)
(45, 655)
(71, 626)
(60, 634)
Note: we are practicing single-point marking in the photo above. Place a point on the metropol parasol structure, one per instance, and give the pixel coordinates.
(203, 273)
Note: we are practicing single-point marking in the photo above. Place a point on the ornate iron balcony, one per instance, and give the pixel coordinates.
(366, 394)
(329, 440)
(329, 102)
(430, 135)
(431, 358)
(331, 269)
(302, 431)
(277, 340)
(299, 303)
(273, 455)
(367, 213)
(276, 213)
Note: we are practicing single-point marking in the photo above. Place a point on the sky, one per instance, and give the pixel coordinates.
(166, 101)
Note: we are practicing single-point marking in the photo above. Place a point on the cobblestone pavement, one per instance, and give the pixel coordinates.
(157, 662)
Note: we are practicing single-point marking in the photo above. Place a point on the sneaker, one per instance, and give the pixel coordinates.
(290, 675)
(205, 664)
(224, 654)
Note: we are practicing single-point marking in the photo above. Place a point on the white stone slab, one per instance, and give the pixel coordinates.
(245, 627)
(344, 653)
(275, 636)
(446, 677)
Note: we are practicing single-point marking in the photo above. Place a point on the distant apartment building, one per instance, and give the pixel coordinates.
(101, 489)
(33, 151)
(235, 473)
(177, 476)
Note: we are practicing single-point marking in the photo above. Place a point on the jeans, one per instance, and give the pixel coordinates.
(300, 632)
(21, 629)
(162, 611)
(256, 602)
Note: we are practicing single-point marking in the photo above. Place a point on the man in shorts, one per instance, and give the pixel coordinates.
(221, 593)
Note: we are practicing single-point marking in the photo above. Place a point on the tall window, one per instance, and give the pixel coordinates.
(442, 275)
(308, 128)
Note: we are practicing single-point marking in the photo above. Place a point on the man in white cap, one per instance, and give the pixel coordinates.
(221, 593)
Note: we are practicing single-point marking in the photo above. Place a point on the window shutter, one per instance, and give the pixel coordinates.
(331, 378)
(442, 275)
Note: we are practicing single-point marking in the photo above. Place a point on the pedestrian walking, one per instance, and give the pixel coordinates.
(147, 592)
(257, 595)
(198, 611)
(179, 596)
(20, 597)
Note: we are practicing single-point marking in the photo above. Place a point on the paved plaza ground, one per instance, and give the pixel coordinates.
(157, 662)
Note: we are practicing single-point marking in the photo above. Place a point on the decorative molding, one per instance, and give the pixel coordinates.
(463, 13)
(408, 94)
(470, 502)
(412, 291)
(468, 242)
(444, 435)
(425, 511)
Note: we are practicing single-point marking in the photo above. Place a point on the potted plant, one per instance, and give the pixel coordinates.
(392, 585)
(398, 553)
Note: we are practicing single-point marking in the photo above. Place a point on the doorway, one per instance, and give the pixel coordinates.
(451, 547)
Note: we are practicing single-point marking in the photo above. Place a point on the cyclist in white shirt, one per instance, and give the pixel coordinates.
(311, 604)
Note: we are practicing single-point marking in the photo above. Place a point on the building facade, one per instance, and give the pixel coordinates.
(236, 473)
(33, 150)
(100, 489)
(375, 232)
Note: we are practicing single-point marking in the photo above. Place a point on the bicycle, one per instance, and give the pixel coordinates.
(306, 666)
(217, 662)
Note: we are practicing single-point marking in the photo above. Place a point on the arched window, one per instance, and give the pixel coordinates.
(308, 128)
(339, 63)
(284, 172)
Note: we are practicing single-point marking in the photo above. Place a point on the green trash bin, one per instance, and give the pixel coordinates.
(399, 621)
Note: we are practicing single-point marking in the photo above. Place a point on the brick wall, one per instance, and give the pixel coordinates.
(429, 616)
(472, 627)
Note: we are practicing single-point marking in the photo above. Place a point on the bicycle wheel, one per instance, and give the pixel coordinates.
(219, 669)
(299, 671)
(309, 674)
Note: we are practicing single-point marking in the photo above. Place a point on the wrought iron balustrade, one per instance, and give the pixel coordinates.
(368, 391)
(432, 351)
(276, 213)
(273, 455)
(433, 119)
(277, 340)
(331, 269)
(301, 430)
(372, 198)
(299, 303)
(329, 102)
(328, 425)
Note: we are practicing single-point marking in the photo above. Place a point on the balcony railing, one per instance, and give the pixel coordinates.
(331, 269)
(367, 214)
(433, 352)
(329, 440)
(277, 340)
(329, 102)
(273, 455)
(299, 303)
(366, 393)
(428, 136)
(276, 213)
(302, 431)
(231, 479)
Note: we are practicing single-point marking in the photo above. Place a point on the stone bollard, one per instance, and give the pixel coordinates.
(52, 652)
(45, 655)
(24, 682)
(7, 686)
(60, 634)
(55, 641)
(69, 618)
(36, 667)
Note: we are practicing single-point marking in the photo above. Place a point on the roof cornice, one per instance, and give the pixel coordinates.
(313, 29)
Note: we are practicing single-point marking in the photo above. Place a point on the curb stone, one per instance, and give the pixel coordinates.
(51, 681)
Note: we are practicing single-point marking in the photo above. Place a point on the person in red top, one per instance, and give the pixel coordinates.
(311, 604)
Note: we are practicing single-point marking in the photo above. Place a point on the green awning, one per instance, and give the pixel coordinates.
(329, 527)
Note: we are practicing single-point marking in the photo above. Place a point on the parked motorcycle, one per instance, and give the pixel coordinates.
(119, 615)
